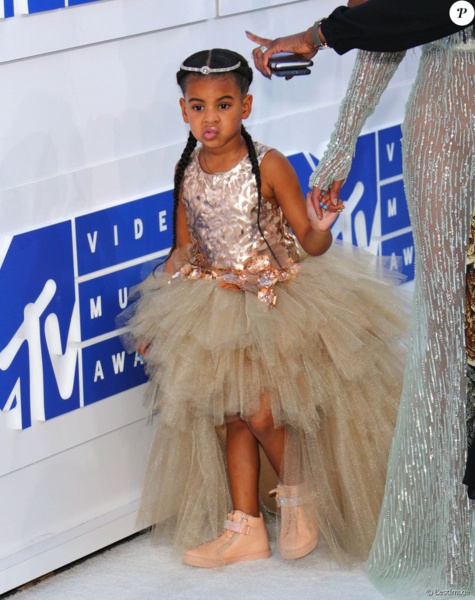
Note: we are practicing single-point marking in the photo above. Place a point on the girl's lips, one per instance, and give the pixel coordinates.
(209, 133)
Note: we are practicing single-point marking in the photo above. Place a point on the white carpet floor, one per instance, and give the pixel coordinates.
(138, 570)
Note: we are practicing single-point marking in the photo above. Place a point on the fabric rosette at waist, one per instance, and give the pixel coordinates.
(258, 275)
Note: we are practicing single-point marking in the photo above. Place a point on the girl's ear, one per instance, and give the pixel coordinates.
(246, 106)
(183, 110)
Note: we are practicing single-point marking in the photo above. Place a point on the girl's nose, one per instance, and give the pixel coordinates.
(211, 116)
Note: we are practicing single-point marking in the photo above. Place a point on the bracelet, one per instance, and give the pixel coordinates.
(317, 42)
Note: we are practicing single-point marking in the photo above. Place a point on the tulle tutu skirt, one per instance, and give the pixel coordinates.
(328, 358)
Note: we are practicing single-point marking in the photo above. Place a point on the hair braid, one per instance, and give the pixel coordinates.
(179, 174)
(257, 174)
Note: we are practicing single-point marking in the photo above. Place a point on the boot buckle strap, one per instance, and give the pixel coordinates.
(241, 527)
(295, 501)
(292, 501)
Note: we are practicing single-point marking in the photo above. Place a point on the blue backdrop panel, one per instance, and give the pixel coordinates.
(35, 6)
(38, 6)
(109, 370)
(125, 232)
(36, 282)
(8, 8)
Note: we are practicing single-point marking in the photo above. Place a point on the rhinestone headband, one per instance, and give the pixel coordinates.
(209, 71)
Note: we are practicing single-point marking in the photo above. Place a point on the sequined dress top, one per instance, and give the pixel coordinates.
(222, 213)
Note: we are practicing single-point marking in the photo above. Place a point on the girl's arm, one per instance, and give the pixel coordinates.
(370, 77)
(281, 186)
(182, 238)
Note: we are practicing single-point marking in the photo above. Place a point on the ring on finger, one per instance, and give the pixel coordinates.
(263, 49)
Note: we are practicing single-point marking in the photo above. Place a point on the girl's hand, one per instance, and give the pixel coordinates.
(327, 217)
(299, 42)
(330, 197)
(142, 351)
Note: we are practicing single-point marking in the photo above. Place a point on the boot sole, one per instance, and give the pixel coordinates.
(196, 561)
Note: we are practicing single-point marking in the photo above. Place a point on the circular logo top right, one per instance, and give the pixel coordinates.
(462, 12)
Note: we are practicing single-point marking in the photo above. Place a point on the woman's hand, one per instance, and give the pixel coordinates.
(301, 43)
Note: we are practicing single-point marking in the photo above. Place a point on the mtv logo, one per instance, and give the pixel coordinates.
(40, 326)
(59, 296)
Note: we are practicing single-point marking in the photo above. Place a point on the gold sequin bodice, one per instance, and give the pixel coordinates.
(221, 212)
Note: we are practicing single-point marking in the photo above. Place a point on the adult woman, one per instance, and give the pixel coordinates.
(423, 537)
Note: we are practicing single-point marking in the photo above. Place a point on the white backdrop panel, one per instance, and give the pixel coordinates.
(88, 125)
(23, 37)
(230, 7)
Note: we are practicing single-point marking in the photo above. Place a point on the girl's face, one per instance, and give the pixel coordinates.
(214, 107)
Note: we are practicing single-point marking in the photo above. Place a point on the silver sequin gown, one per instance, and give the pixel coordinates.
(318, 342)
(423, 537)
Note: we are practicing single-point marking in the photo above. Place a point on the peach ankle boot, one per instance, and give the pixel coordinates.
(299, 531)
(244, 538)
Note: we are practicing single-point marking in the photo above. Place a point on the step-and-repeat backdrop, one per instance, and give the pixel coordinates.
(90, 135)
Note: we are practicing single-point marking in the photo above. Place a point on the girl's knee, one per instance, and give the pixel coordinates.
(237, 425)
(261, 424)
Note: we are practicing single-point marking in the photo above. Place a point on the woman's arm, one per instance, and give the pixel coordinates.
(370, 77)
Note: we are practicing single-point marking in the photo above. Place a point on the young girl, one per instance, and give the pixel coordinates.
(304, 359)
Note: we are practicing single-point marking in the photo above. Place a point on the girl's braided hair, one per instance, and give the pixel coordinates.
(216, 58)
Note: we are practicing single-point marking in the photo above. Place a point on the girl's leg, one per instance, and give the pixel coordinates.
(271, 439)
(242, 454)
(244, 536)
(299, 531)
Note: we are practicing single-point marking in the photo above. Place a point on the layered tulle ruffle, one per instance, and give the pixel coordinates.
(328, 358)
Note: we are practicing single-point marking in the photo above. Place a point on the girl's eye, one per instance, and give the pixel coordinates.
(197, 107)
(224, 105)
